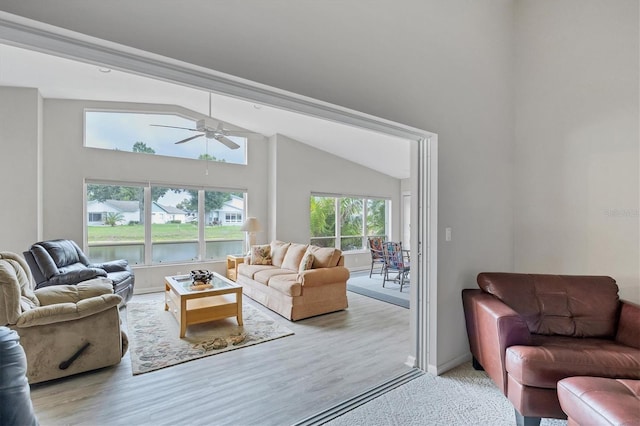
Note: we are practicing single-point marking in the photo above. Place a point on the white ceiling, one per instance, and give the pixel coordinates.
(61, 78)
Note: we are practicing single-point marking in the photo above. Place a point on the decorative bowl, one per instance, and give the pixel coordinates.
(201, 276)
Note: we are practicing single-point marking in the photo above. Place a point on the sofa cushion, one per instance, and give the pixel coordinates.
(287, 284)
(566, 305)
(261, 255)
(63, 252)
(265, 275)
(294, 255)
(600, 401)
(250, 270)
(278, 251)
(324, 257)
(555, 357)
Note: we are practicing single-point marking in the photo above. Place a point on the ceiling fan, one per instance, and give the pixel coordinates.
(207, 128)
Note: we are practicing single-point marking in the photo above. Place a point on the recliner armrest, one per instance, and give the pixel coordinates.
(74, 276)
(629, 324)
(493, 327)
(74, 293)
(112, 266)
(61, 312)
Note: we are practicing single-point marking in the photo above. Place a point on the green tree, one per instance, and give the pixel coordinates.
(322, 216)
(351, 216)
(113, 218)
(210, 158)
(376, 217)
(142, 147)
(212, 200)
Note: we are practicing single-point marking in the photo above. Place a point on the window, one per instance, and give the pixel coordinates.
(358, 217)
(148, 133)
(116, 217)
(351, 223)
(118, 231)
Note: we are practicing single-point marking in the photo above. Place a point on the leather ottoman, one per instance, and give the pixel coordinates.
(596, 401)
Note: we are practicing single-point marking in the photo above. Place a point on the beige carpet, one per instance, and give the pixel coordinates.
(460, 397)
(154, 340)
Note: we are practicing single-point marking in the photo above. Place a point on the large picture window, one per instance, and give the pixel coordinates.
(157, 134)
(346, 222)
(184, 224)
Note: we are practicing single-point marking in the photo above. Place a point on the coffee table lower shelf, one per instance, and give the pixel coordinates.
(196, 307)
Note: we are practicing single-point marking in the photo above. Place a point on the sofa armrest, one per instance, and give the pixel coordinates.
(62, 312)
(73, 277)
(320, 276)
(629, 325)
(492, 327)
(112, 266)
(52, 295)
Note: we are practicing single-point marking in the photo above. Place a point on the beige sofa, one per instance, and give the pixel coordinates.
(295, 292)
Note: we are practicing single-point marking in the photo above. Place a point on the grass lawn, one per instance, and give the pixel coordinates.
(162, 232)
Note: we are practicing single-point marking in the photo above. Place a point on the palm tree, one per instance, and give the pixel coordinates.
(113, 218)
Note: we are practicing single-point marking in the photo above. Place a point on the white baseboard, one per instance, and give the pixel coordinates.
(442, 368)
(411, 361)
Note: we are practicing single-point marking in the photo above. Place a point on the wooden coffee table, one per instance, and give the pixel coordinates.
(190, 306)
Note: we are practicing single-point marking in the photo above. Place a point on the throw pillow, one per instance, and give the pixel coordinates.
(324, 257)
(261, 255)
(306, 263)
(294, 255)
(278, 251)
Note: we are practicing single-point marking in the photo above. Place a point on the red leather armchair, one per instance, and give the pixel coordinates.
(528, 331)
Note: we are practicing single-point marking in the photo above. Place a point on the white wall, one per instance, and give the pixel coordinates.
(301, 170)
(577, 139)
(443, 66)
(20, 156)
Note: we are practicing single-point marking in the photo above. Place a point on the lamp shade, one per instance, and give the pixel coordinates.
(251, 225)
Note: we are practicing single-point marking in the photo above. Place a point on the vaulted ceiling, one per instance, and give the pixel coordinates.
(62, 78)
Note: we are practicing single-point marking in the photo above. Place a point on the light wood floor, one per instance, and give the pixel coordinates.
(330, 358)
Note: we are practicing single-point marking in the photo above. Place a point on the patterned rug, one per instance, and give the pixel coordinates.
(154, 340)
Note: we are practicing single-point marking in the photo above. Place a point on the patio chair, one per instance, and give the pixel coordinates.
(377, 257)
(396, 261)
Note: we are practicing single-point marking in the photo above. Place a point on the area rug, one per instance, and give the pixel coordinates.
(372, 287)
(154, 341)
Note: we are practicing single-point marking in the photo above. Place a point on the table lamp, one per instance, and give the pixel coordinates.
(251, 226)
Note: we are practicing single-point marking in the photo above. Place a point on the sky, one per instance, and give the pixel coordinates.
(115, 130)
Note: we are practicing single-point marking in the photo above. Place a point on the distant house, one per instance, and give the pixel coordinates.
(231, 213)
(166, 214)
(97, 212)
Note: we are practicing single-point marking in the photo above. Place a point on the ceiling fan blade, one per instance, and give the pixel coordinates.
(188, 139)
(228, 142)
(174, 127)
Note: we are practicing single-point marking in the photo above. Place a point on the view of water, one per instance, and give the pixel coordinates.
(169, 252)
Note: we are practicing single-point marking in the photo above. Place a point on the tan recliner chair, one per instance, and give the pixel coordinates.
(64, 330)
